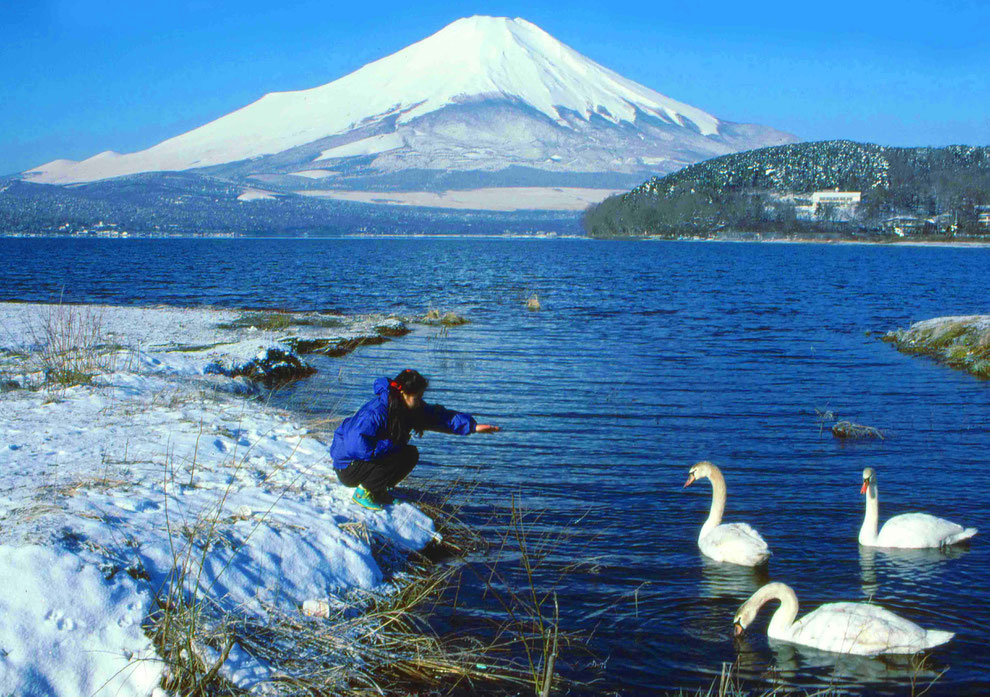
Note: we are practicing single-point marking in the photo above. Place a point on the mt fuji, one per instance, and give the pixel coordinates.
(486, 102)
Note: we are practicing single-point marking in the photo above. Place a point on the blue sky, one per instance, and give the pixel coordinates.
(83, 76)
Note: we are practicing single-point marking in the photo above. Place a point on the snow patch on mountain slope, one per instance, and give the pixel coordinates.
(368, 146)
(251, 194)
(316, 173)
(517, 198)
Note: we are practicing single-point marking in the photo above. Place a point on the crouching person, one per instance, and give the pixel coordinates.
(371, 450)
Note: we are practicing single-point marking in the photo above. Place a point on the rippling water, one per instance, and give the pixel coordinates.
(645, 358)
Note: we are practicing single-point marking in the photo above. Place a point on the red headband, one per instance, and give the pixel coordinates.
(395, 386)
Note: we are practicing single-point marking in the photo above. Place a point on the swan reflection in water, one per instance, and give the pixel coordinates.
(792, 665)
(791, 661)
(911, 566)
(720, 590)
(720, 580)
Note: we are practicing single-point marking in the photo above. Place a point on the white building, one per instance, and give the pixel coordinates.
(834, 205)
(839, 199)
(841, 205)
(983, 216)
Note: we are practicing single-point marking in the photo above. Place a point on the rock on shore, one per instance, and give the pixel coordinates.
(962, 342)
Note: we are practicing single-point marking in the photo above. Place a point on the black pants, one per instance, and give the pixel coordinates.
(381, 474)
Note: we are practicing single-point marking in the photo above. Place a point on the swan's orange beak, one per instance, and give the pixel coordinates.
(737, 629)
(866, 485)
(689, 482)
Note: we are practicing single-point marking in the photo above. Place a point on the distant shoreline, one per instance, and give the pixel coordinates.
(962, 244)
(877, 243)
(354, 236)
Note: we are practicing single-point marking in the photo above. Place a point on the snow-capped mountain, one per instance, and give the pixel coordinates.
(485, 101)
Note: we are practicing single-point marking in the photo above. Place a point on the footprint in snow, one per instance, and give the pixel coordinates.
(61, 622)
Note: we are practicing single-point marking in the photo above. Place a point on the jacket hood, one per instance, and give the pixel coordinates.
(381, 386)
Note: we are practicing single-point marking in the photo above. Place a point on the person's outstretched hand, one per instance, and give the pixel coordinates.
(486, 428)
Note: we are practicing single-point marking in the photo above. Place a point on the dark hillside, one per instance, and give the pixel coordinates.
(164, 203)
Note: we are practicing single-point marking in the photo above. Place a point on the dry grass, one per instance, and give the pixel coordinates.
(515, 576)
(532, 605)
(517, 653)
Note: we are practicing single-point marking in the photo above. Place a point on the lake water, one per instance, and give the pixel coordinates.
(645, 358)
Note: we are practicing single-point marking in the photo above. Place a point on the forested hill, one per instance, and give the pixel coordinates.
(757, 189)
(796, 167)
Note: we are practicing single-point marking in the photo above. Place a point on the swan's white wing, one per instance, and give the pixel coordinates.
(862, 629)
(920, 530)
(736, 543)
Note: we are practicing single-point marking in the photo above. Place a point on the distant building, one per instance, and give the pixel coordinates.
(837, 198)
(832, 205)
(983, 216)
(945, 223)
(903, 225)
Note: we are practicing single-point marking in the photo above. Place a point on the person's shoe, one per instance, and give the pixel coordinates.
(363, 497)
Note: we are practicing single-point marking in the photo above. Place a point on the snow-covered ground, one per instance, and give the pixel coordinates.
(159, 464)
(515, 198)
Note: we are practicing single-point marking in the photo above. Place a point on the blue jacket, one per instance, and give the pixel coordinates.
(363, 436)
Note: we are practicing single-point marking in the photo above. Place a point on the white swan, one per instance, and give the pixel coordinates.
(908, 530)
(736, 543)
(856, 628)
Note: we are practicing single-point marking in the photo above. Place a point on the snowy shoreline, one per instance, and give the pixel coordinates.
(138, 467)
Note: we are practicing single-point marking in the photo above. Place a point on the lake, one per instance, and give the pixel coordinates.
(645, 358)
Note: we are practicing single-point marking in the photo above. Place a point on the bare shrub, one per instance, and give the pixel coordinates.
(71, 346)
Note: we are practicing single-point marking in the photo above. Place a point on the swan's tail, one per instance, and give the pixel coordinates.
(937, 637)
(959, 537)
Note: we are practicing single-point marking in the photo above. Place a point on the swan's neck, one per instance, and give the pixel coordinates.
(783, 619)
(718, 503)
(868, 533)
